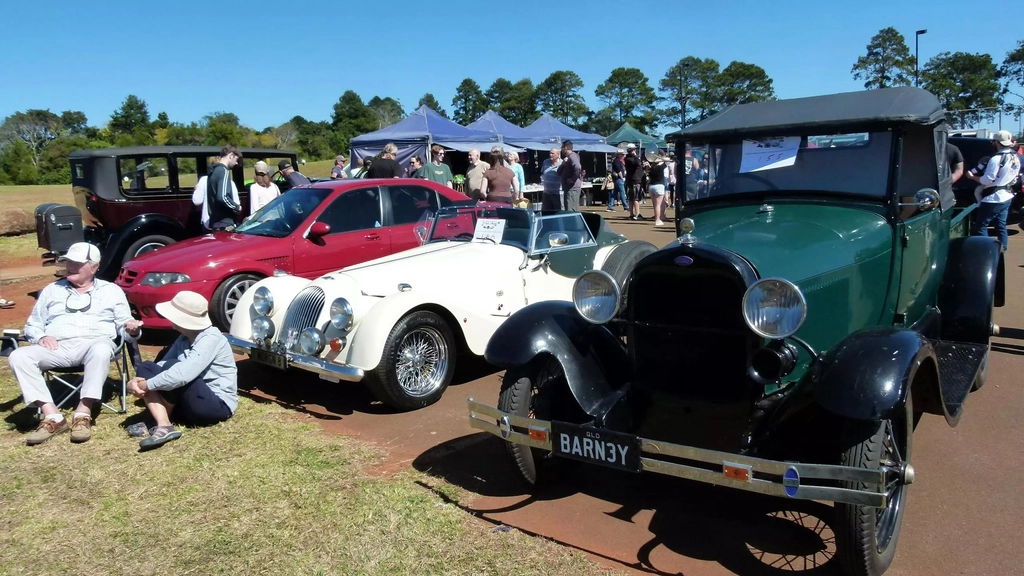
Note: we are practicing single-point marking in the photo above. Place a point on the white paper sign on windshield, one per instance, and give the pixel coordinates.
(769, 153)
(489, 229)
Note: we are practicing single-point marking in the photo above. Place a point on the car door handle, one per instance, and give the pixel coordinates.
(372, 236)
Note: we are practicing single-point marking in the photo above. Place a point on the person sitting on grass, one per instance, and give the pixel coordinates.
(196, 382)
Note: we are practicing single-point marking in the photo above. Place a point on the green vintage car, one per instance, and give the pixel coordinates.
(822, 295)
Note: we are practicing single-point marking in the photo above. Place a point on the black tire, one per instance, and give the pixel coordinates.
(866, 536)
(225, 298)
(624, 258)
(146, 244)
(428, 333)
(523, 393)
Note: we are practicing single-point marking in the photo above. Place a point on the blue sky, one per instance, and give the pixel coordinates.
(268, 61)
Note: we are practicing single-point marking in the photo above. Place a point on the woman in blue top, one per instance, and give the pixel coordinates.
(517, 169)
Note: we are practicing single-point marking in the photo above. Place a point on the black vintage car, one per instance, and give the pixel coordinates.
(129, 201)
(824, 296)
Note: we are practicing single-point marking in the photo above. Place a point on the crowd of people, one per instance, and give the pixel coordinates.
(633, 179)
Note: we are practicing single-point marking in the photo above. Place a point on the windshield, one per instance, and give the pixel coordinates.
(285, 213)
(495, 225)
(855, 163)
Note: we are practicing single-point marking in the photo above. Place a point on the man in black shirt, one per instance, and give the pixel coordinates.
(386, 166)
(956, 161)
(292, 177)
(634, 182)
(220, 199)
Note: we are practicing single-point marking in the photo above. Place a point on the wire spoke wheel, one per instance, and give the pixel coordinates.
(422, 361)
(867, 536)
(885, 518)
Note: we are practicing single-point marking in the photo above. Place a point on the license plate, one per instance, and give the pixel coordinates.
(604, 447)
(278, 361)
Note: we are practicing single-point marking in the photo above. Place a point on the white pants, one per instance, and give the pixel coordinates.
(29, 362)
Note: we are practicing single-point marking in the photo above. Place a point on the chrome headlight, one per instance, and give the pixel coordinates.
(341, 314)
(596, 296)
(263, 301)
(158, 279)
(262, 328)
(774, 308)
(311, 341)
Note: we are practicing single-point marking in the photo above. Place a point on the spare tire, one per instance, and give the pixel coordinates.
(624, 258)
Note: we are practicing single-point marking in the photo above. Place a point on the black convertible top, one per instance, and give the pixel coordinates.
(185, 150)
(886, 105)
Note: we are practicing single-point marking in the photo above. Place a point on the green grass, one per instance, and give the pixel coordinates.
(28, 197)
(317, 169)
(264, 493)
(19, 247)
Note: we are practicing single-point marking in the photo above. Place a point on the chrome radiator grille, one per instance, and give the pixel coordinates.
(302, 313)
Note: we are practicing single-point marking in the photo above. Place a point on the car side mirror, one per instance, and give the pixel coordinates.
(925, 199)
(556, 239)
(319, 230)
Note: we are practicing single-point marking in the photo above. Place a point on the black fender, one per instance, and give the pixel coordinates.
(868, 375)
(971, 285)
(117, 243)
(593, 359)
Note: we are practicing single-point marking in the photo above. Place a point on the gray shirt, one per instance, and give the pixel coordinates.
(549, 177)
(570, 171)
(208, 357)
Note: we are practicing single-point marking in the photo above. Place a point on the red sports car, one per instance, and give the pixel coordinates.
(307, 231)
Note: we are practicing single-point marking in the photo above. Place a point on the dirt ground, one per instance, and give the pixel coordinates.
(962, 513)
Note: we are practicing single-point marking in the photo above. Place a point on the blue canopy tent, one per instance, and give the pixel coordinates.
(547, 126)
(509, 133)
(417, 133)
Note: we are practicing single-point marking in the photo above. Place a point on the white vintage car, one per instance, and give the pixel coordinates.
(398, 322)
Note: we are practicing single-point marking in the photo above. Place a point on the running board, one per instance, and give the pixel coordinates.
(959, 363)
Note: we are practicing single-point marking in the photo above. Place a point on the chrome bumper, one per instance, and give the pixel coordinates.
(771, 477)
(303, 362)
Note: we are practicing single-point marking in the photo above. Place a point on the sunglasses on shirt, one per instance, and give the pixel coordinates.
(78, 300)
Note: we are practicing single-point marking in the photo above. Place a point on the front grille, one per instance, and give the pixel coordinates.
(688, 337)
(302, 313)
(127, 277)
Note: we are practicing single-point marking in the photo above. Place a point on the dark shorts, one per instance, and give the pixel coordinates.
(194, 403)
(634, 192)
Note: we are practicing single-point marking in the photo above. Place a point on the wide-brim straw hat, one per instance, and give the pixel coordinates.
(187, 310)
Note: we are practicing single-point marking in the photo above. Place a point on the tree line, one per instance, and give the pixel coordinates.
(34, 144)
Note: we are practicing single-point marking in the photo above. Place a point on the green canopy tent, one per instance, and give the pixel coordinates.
(627, 134)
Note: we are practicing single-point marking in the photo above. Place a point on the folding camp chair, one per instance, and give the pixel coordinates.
(124, 351)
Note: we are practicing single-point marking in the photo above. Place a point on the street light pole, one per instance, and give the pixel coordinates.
(917, 74)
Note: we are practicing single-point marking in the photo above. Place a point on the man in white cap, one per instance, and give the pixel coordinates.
(73, 323)
(195, 384)
(994, 194)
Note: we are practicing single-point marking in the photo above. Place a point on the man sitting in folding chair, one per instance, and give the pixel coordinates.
(74, 323)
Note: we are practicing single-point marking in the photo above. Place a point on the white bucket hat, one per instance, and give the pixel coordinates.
(188, 310)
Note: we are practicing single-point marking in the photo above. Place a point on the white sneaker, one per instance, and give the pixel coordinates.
(659, 223)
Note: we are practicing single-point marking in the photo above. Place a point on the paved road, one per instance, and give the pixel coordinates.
(962, 514)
